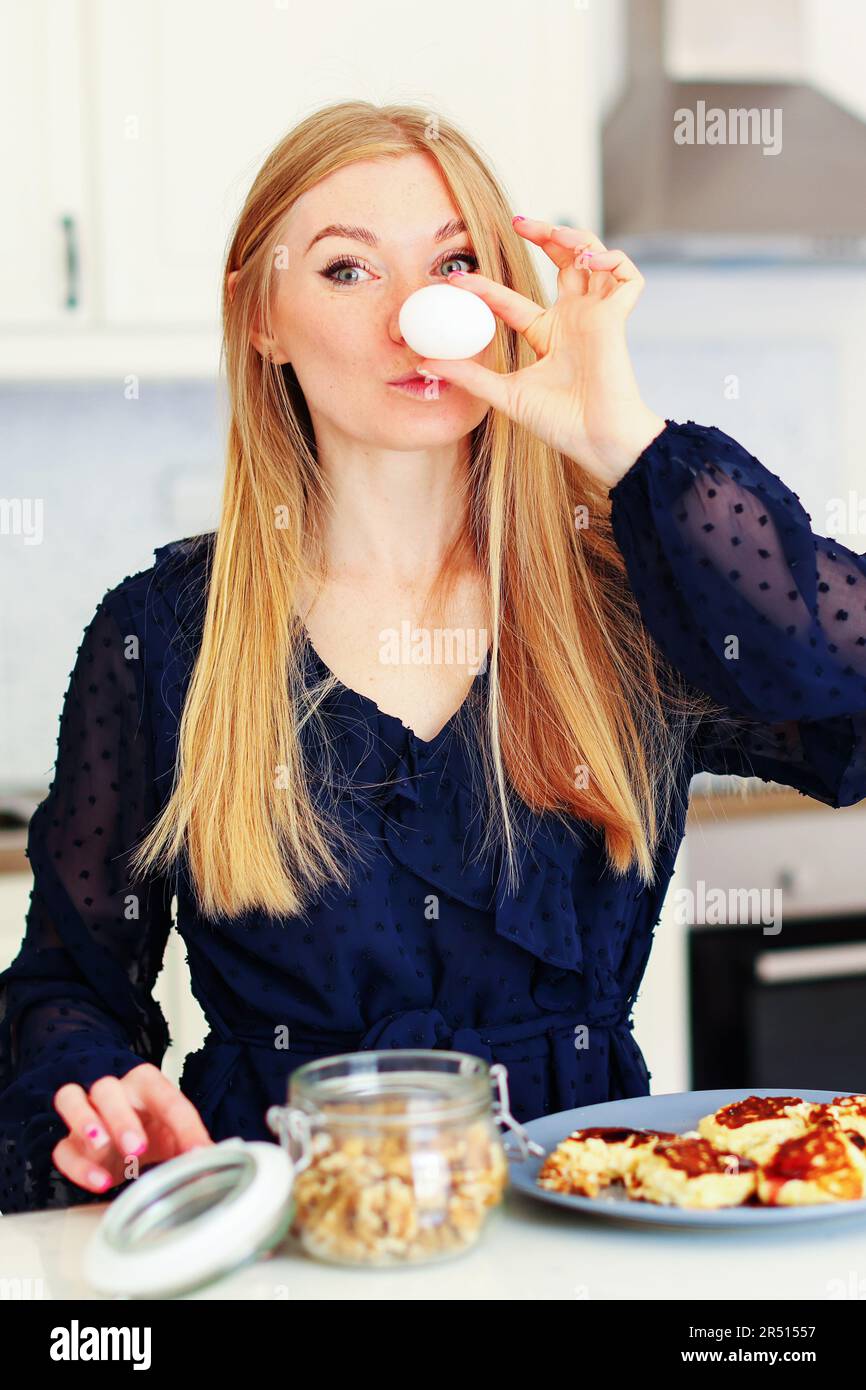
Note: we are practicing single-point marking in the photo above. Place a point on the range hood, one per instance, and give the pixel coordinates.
(706, 201)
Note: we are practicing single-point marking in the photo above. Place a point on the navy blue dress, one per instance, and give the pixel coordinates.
(427, 949)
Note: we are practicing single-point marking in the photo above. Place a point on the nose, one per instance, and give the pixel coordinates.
(399, 289)
(394, 307)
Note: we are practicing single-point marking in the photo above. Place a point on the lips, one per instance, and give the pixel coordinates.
(407, 379)
(420, 388)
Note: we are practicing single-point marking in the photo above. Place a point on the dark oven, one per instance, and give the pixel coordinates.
(767, 1014)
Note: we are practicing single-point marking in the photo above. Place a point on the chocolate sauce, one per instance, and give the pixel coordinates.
(745, 1112)
(697, 1156)
(611, 1135)
(807, 1156)
(851, 1105)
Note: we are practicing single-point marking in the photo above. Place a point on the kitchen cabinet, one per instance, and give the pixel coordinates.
(147, 123)
(808, 854)
(182, 119)
(48, 222)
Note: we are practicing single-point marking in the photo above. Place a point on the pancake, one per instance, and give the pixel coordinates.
(691, 1173)
(590, 1159)
(850, 1112)
(826, 1164)
(773, 1150)
(756, 1126)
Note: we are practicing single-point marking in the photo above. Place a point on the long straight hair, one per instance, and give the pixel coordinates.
(580, 718)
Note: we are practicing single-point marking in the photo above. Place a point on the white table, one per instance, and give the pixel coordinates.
(529, 1250)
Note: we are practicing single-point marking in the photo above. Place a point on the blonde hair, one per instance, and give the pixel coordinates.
(574, 681)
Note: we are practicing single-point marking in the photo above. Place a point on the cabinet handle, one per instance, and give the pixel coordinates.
(70, 236)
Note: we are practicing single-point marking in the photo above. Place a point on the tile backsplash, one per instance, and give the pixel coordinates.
(115, 477)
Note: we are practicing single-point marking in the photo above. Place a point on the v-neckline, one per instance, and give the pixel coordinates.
(427, 745)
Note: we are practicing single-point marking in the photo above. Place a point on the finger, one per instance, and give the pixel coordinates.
(617, 263)
(557, 242)
(171, 1107)
(514, 309)
(479, 381)
(75, 1165)
(163, 1143)
(615, 275)
(74, 1108)
(108, 1096)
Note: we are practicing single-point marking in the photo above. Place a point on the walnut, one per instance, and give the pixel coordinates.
(388, 1195)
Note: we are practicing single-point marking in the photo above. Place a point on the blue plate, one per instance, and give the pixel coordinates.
(678, 1112)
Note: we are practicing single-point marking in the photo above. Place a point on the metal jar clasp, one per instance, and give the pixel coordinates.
(526, 1147)
(292, 1128)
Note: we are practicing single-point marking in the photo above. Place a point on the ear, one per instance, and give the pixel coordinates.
(264, 346)
(267, 348)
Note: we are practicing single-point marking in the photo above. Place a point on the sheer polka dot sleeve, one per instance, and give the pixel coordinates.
(76, 1002)
(752, 608)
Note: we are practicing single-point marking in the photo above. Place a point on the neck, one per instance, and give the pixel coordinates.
(392, 513)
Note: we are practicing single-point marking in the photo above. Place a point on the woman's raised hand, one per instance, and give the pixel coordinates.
(580, 394)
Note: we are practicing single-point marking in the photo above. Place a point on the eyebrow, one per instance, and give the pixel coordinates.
(448, 229)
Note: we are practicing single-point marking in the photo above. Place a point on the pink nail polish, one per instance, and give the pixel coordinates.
(519, 218)
(132, 1144)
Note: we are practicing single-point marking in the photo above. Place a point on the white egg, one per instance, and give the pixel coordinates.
(442, 321)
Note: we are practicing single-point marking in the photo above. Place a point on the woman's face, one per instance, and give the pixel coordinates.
(338, 298)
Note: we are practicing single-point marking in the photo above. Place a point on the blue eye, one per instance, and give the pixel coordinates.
(459, 256)
(343, 263)
(332, 270)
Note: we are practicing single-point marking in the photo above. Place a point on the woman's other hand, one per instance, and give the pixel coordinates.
(141, 1117)
(580, 395)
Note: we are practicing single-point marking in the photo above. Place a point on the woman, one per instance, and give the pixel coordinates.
(371, 850)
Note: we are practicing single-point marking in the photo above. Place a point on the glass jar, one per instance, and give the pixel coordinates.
(397, 1155)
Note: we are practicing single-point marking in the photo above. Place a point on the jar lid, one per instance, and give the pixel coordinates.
(191, 1219)
(393, 1088)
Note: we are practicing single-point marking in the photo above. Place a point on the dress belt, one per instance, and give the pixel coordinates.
(427, 1028)
(423, 1028)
